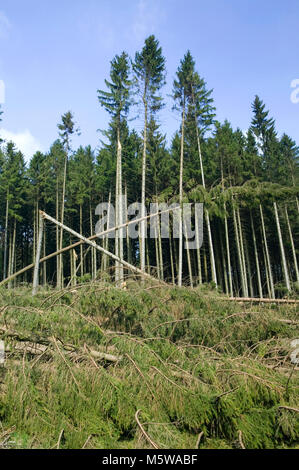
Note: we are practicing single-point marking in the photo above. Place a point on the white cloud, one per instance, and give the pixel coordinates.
(146, 19)
(24, 141)
(4, 24)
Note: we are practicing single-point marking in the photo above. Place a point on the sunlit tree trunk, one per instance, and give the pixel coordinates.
(143, 176)
(81, 246)
(292, 243)
(211, 247)
(198, 252)
(45, 262)
(242, 252)
(171, 258)
(180, 267)
(283, 257)
(188, 258)
(267, 254)
(160, 251)
(257, 264)
(243, 284)
(62, 220)
(12, 253)
(58, 272)
(5, 238)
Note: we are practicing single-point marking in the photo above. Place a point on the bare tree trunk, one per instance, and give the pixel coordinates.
(45, 263)
(160, 250)
(229, 267)
(267, 272)
(257, 264)
(5, 239)
(247, 259)
(242, 252)
(283, 257)
(81, 246)
(180, 268)
(205, 264)
(171, 258)
(245, 293)
(62, 220)
(37, 257)
(211, 246)
(57, 238)
(129, 256)
(34, 234)
(93, 251)
(12, 253)
(225, 276)
(120, 206)
(106, 239)
(142, 225)
(188, 258)
(292, 243)
(198, 252)
(267, 254)
(157, 253)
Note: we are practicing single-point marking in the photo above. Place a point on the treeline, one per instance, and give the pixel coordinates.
(248, 183)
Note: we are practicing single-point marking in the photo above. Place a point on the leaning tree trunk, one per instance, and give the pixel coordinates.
(283, 257)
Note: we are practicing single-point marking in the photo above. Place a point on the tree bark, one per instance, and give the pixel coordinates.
(283, 257)
(180, 268)
(292, 244)
(267, 254)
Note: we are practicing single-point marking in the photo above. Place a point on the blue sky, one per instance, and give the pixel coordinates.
(54, 55)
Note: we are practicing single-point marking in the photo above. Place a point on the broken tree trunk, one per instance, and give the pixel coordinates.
(98, 247)
(74, 245)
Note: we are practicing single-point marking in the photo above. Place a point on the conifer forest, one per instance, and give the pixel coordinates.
(247, 181)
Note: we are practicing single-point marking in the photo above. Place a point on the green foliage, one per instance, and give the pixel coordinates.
(149, 73)
(189, 360)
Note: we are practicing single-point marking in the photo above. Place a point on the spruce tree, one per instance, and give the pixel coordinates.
(67, 128)
(182, 95)
(117, 101)
(149, 72)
